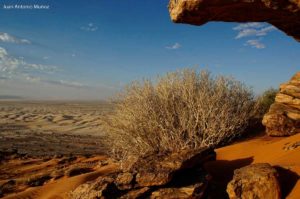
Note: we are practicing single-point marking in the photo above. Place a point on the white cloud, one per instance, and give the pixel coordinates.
(89, 27)
(248, 25)
(255, 43)
(254, 30)
(41, 67)
(3, 53)
(22, 78)
(174, 46)
(17, 66)
(66, 83)
(5, 37)
(8, 64)
(13, 68)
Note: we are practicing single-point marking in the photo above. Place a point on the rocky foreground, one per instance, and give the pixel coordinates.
(168, 175)
(263, 167)
(202, 174)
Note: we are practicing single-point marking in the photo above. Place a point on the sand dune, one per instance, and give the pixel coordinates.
(59, 116)
(50, 178)
(60, 188)
(50, 128)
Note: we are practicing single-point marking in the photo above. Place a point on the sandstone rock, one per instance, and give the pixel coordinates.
(258, 181)
(85, 191)
(136, 193)
(287, 99)
(283, 14)
(290, 89)
(158, 169)
(154, 178)
(193, 191)
(283, 118)
(169, 175)
(103, 187)
(124, 181)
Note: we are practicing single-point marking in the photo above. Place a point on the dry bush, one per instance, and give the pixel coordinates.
(184, 109)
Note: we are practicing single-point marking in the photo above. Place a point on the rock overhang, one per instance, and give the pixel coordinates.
(283, 14)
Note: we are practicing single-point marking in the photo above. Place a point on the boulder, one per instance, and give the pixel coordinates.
(257, 181)
(103, 187)
(158, 168)
(283, 118)
(283, 14)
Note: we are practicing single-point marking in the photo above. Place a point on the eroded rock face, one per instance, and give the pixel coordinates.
(158, 169)
(283, 118)
(257, 181)
(155, 175)
(283, 14)
(103, 187)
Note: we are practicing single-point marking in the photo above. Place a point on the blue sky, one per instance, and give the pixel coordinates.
(80, 49)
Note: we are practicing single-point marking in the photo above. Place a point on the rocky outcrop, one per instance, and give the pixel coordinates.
(192, 191)
(283, 118)
(158, 169)
(257, 181)
(101, 188)
(155, 175)
(283, 14)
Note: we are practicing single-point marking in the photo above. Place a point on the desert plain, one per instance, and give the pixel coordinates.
(42, 142)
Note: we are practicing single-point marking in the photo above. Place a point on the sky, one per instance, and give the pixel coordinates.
(89, 50)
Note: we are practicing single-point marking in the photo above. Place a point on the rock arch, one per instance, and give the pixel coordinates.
(284, 14)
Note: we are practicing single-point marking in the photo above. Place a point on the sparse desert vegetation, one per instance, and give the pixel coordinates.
(185, 109)
(264, 101)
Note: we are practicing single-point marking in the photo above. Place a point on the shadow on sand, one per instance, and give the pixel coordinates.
(222, 170)
(222, 173)
(287, 180)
